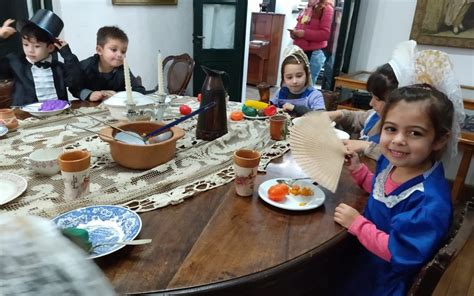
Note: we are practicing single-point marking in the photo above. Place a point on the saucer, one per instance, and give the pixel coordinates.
(11, 186)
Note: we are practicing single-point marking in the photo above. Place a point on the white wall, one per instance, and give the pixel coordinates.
(286, 7)
(382, 25)
(149, 28)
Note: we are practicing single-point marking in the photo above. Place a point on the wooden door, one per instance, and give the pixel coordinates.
(218, 42)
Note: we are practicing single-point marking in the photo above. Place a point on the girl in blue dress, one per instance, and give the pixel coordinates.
(409, 209)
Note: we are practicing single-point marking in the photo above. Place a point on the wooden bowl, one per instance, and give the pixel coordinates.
(141, 156)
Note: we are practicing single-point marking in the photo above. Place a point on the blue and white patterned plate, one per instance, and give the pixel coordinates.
(104, 224)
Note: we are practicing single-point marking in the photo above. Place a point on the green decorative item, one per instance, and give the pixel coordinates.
(78, 236)
(249, 111)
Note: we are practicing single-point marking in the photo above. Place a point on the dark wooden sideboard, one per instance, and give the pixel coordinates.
(264, 48)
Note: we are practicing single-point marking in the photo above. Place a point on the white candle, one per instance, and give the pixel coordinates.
(128, 85)
(161, 89)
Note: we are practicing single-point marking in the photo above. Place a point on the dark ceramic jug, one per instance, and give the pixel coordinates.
(213, 123)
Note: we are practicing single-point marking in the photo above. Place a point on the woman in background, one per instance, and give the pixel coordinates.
(312, 32)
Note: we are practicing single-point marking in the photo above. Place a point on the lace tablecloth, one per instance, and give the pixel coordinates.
(198, 165)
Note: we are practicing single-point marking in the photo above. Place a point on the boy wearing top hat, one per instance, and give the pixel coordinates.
(103, 72)
(36, 76)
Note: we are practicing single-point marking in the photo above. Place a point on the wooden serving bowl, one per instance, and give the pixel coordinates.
(141, 156)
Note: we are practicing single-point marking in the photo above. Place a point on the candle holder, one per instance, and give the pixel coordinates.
(135, 114)
(160, 108)
(160, 97)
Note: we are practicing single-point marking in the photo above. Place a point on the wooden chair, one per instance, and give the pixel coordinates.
(5, 93)
(178, 71)
(429, 276)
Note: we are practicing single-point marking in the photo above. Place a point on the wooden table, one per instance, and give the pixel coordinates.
(357, 80)
(219, 243)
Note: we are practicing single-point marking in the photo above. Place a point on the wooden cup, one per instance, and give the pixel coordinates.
(245, 168)
(75, 169)
(8, 118)
(278, 127)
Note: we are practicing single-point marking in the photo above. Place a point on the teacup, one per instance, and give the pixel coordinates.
(8, 118)
(44, 161)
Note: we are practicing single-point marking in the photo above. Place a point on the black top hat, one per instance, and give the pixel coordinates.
(45, 20)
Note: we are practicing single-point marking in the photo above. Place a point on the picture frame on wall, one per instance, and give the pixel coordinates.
(144, 2)
(444, 23)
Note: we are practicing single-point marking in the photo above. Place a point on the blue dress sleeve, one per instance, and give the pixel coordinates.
(316, 100)
(417, 233)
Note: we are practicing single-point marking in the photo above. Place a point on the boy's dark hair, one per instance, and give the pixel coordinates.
(382, 82)
(439, 108)
(110, 32)
(31, 31)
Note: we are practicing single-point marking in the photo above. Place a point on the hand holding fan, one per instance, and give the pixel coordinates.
(317, 149)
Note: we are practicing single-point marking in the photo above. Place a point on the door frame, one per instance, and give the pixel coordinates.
(240, 46)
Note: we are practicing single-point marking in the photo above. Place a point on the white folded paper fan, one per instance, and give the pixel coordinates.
(317, 149)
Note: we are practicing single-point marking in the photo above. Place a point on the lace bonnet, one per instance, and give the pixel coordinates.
(433, 67)
(298, 54)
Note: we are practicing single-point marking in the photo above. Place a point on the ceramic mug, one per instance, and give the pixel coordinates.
(245, 168)
(44, 161)
(75, 169)
(8, 118)
(278, 127)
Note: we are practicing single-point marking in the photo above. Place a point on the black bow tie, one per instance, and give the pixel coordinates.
(44, 65)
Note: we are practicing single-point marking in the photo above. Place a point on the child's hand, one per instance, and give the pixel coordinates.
(352, 161)
(6, 31)
(356, 145)
(108, 93)
(288, 107)
(101, 95)
(59, 43)
(96, 96)
(334, 115)
(345, 215)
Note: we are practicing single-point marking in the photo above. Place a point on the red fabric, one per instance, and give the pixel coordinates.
(374, 240)
(317, 31)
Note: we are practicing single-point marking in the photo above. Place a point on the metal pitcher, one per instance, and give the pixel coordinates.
(212, 124)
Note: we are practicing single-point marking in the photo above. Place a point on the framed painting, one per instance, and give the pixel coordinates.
(144, 2)
(444, 23)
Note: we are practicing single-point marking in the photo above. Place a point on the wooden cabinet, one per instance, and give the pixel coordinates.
(265, 45)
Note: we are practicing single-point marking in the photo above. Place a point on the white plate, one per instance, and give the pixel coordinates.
(104, 224)
(297, 120)
(294, 202)
(342, 134)
(256, 117)
(33, 109)
(11, 186)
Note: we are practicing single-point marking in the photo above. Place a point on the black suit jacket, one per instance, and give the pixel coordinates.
(18, 68)
(95, 80)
